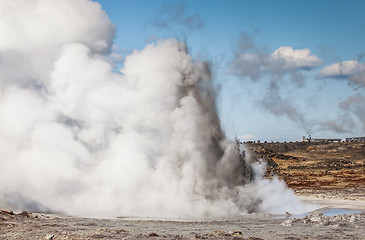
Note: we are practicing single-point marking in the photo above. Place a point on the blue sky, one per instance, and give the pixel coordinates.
(324, 105)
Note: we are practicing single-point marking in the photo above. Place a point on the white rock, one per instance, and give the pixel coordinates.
(287, 222)
(315, 217)
(49, 237)
(352, 219)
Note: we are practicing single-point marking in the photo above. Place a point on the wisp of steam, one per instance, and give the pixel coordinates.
(79, 138)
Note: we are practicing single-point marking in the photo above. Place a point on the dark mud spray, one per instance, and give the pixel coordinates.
(79, 138)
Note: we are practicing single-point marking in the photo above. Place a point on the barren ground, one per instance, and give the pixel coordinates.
(254, 226)
(331, 174)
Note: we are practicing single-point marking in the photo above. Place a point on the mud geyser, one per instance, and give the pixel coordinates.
(80, 138)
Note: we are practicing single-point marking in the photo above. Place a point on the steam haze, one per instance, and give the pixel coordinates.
(286, 70)
(283, 67)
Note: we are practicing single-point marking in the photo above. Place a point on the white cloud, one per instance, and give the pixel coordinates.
(341, 69)
(289, 59)
(352, 71)
(283, 60)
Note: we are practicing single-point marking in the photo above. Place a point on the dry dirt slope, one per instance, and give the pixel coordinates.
(335, 168)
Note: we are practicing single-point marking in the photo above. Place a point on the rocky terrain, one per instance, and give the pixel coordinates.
(331, 171)
(254, 227)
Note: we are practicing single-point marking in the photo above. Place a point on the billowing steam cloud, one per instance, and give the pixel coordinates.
(79, 138)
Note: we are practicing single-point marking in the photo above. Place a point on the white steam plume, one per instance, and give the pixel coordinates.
(77, 137)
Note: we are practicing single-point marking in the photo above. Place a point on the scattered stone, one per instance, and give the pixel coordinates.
(288, 215)
(153, 235)
(49, 237)
(24, 214)
(352, 219)
(97, 236)
(120, 231)
(315, 217)
(220, 235)
(237, 233)
(63, 227)
(287, 223)
(6, 212)
(336, 218)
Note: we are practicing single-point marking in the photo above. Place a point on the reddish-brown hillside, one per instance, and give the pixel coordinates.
(316, 167)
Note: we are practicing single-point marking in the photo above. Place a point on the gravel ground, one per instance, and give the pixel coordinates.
(254, 226)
